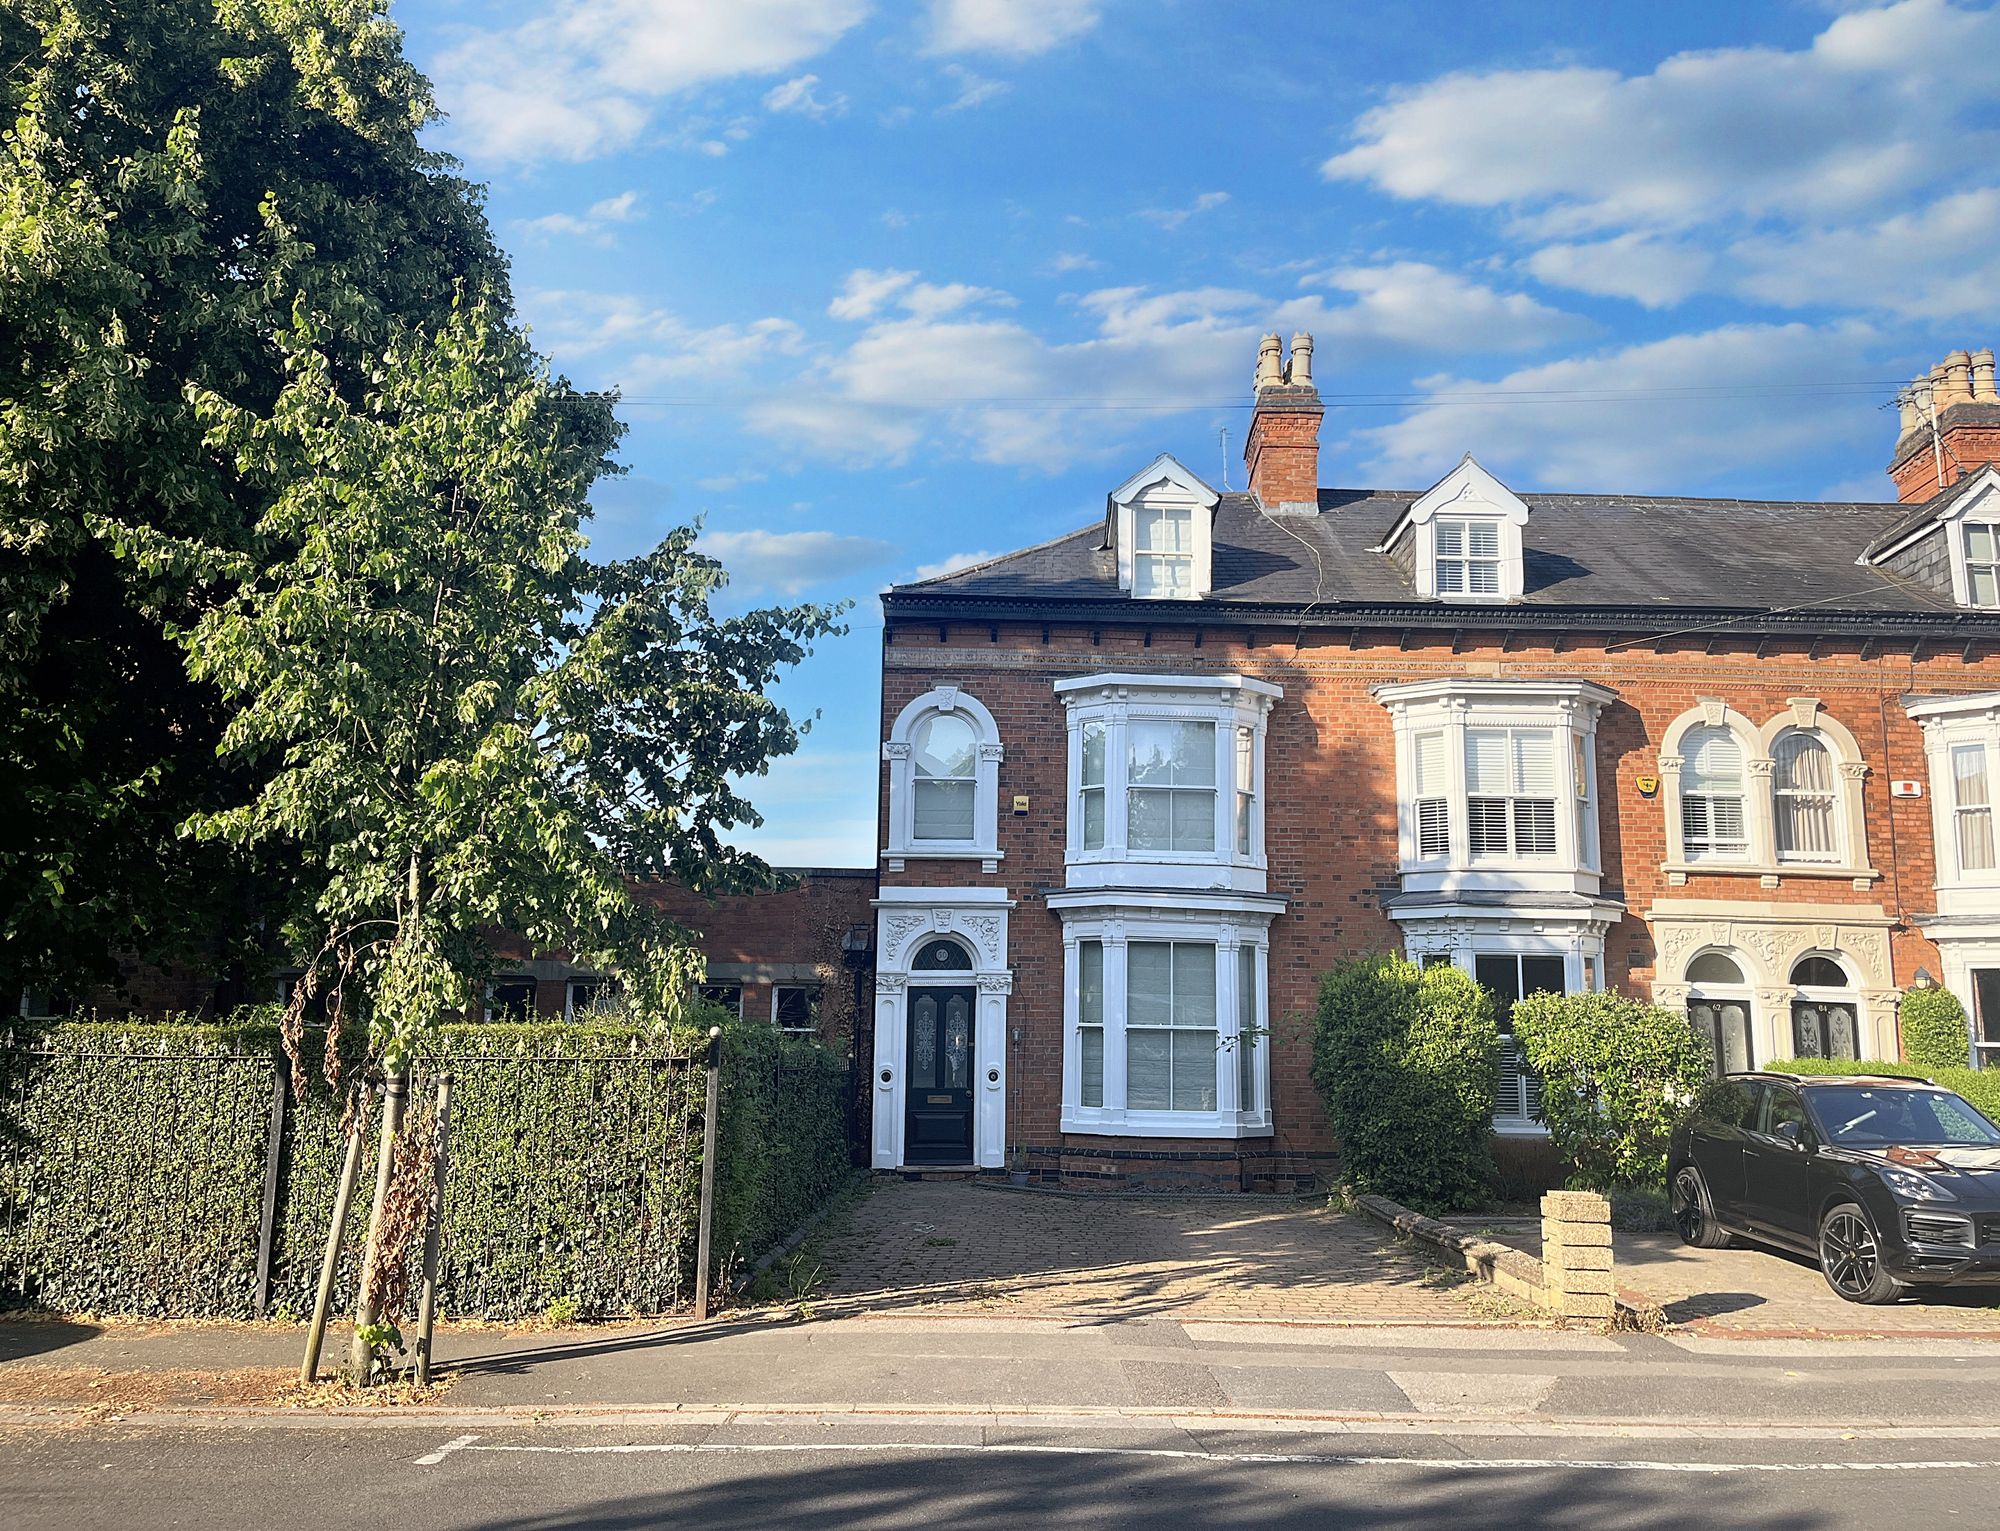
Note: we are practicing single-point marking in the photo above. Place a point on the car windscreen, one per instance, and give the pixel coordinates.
(1861, 1117)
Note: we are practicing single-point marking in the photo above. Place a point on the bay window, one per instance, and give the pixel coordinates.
(1509, 977)
(1165, 1013)
(1166, 779)
(1971, 808)
(1497, 782)
(1170, 786)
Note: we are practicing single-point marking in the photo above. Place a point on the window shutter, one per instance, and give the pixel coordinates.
(1433, 829)
(1486, 773)
(1535, 764)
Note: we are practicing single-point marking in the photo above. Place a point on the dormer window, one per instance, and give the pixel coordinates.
(1163, 552)
(1982, 563)
(1468, 556)
(1462, 541)
(1160, 523)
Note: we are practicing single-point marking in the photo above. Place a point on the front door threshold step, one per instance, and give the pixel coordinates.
(935, 1172)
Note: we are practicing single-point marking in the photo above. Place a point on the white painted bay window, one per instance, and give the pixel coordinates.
(1165, 1013)
(1497, 782)
(1166, 779)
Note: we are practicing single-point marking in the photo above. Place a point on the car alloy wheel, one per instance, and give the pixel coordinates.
(1694, 1216)
(1850, 1257)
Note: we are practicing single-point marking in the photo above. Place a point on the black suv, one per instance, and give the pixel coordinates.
(1888, 1182)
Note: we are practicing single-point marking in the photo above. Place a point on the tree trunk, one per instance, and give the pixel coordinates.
(361, 1357)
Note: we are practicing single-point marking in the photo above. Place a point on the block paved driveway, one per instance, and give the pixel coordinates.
(957, 1247)
(1752, 1291)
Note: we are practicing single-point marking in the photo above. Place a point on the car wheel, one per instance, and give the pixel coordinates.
(1694, 1213)
(1850, 1256)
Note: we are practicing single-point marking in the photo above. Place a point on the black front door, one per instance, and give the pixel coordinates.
(938, 1119)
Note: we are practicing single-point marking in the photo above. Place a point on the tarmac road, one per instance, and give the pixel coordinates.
(974, 1472)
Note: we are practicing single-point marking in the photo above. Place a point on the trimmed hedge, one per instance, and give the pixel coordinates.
(1979, 1086)
(1406, 1061)
(132, 1160)
(1616, 1075)
(1936, 1034)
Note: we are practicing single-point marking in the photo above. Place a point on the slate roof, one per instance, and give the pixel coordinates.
(1585, 552)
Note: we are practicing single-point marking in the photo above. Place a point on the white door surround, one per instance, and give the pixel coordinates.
(976, 918)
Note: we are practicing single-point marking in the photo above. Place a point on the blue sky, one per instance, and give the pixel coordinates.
(889, 286)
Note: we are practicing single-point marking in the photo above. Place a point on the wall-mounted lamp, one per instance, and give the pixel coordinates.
(1922, 979)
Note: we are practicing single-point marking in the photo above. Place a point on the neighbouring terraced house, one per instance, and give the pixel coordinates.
(1144, 783)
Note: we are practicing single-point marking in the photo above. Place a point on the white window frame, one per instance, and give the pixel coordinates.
(601, 981)
(1114, 703)
(1579, 947)
(1566, 710)
(1974, 567)
(1758, 745)
(984, 844)
(816, 997)
(1465, 496)
(1119, 925)
(1459, 559)
(1952, 723)
(1163, 486)
(488, 993)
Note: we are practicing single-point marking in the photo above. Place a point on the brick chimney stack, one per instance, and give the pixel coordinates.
(1282, 449)
(1950, 426)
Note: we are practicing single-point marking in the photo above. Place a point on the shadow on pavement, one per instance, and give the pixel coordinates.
(29, 1334)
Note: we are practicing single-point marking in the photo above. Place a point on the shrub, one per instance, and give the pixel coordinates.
(1979, 1086)
(1616, 1074)
(1935, 1034)
(1405, 1061)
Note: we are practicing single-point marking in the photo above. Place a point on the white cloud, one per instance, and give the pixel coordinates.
(801, 97)
(592, 225)
(1656, 272)
(723, 483)
(581, 79)
(1012, 28)
(952, 564)
(1871, 106)
(1940, 262)
(1174, 217)
(1414, 305)
(865, 291)
(1673, 415)
(792, 561)
(973, 90)
(979, 384)
(636, 343)
(1065, 261)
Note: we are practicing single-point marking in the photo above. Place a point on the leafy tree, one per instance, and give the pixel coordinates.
(1616, 1075)
(1936, 1034)
(1405, 1060)
(176, 171)
(456, 719)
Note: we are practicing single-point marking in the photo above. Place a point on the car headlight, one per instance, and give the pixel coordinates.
(1916, 1185)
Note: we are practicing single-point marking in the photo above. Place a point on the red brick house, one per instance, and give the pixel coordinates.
(1144, 783)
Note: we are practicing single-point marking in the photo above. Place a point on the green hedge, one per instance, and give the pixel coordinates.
(132, 1162)
(1406, 1063)
(1980, 1086)
(1935, 1032)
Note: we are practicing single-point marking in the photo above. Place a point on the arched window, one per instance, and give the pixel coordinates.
(944, 759)
(1719, 1010)
(944, 780)
(1804, 798)
(1713, 827)
(1826, 1019)
(941, 957)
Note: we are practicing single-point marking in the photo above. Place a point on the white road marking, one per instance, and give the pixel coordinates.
(1248, 1458)
(463, 1442)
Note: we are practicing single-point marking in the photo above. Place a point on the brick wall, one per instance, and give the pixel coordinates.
(1330, 809)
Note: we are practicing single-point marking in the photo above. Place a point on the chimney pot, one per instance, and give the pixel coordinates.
(1301, 373)
(1270, 363)
(1957, 368)
(1982, 377)
(1909, 416)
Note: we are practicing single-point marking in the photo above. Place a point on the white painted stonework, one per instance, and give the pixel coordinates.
(905, 918)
